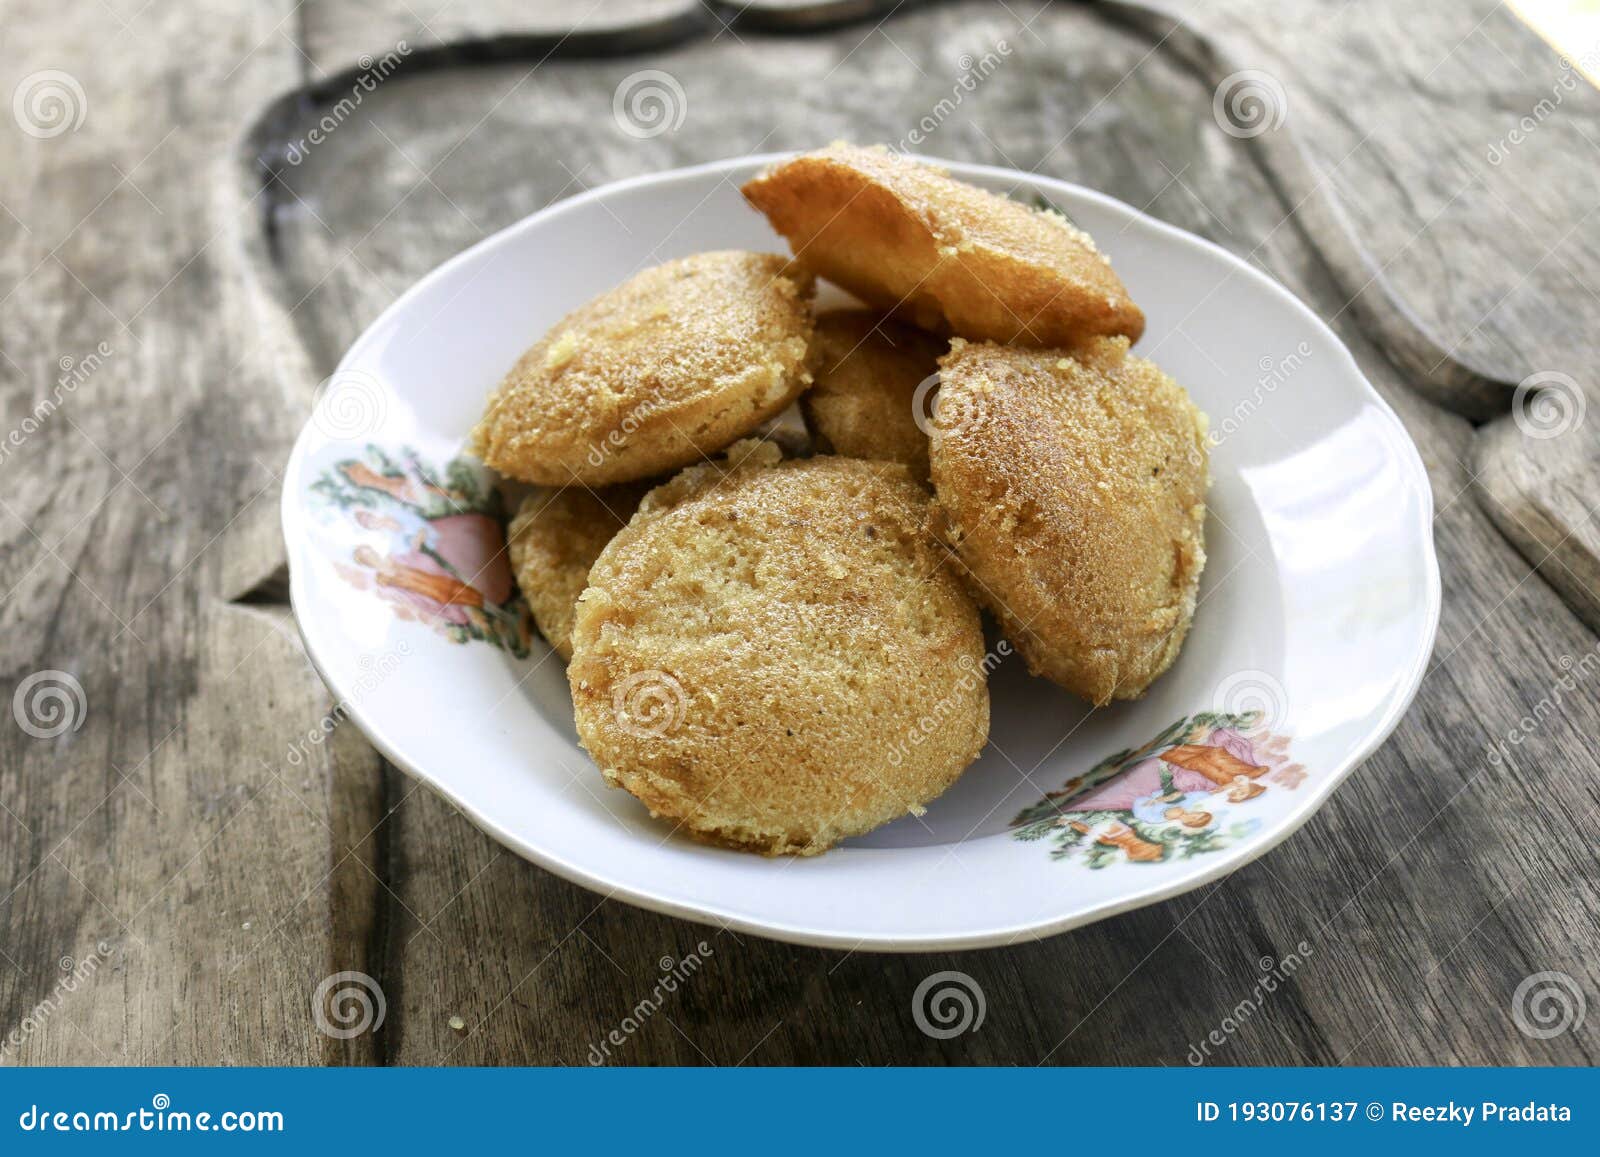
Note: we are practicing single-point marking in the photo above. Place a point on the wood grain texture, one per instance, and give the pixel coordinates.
(1429, 886)
(139, 840)
(1538, 477)
(1450, 229)
(334, 37)
(1446, 172)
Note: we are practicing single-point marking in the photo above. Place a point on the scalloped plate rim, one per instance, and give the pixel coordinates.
(1223, 863)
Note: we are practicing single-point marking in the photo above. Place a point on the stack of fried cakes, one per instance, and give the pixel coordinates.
(777, 653)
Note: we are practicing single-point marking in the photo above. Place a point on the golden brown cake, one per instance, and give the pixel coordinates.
(662, 371)
(864, 403)
(903, 235)
(774, 658)
(1073, 489)
(554, 539)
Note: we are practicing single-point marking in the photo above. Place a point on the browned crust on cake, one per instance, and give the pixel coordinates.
(905, 236)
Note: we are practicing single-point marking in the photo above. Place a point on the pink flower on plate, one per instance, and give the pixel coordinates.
(475, 546)
(1140, 780)
(1234, 744)
(424, 576)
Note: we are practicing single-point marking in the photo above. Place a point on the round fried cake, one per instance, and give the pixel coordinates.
(774, 657)
(554, 539)
(663, 370)
(905, 236)
(864, 403)
(1073, 489)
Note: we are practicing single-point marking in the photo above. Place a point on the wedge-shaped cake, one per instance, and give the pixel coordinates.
(905, 236)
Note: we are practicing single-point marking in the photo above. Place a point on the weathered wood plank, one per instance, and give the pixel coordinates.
(1449, 230)
(1538, 476)
(163, 827)
(1452, 228)
(335, 36)
(1411, 912)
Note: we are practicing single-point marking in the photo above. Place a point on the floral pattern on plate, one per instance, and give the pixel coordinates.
(431, 543)
(1189, 791)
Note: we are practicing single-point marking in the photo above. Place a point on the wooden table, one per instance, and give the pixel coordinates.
(178, 250)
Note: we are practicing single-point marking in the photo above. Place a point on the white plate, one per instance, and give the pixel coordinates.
(1318, 603)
